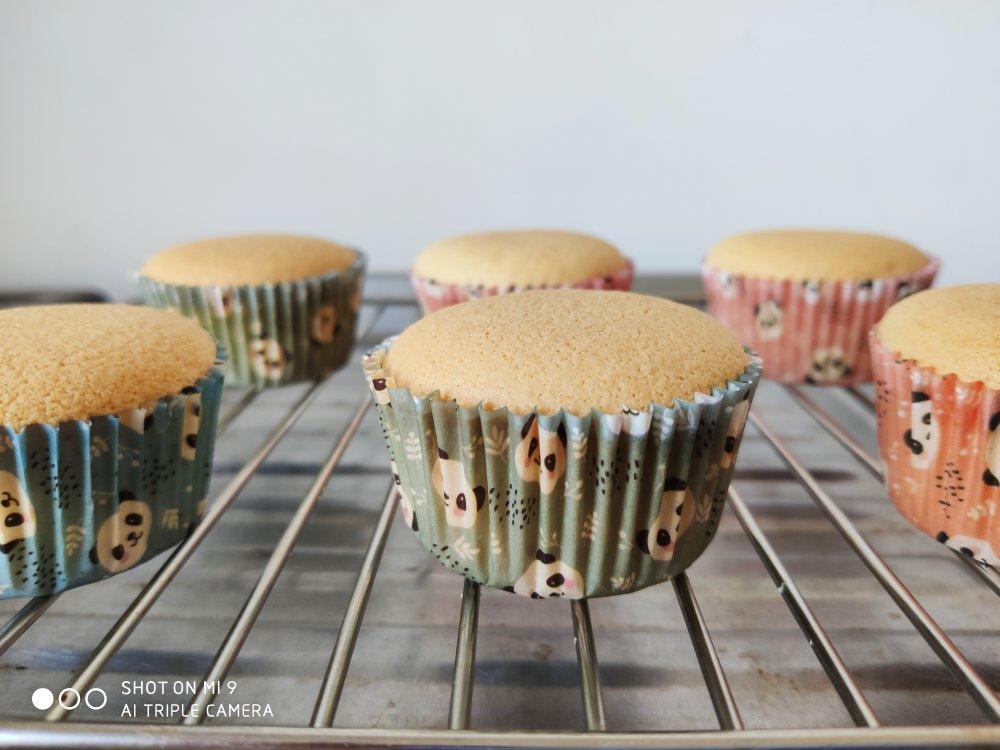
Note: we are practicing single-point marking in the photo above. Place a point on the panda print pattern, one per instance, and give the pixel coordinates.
(677, 509)
(550, 505)
(636, 423)
(727, 284)
(864, 290)
(325, 325)
(223, 301)
(404, 499)
(191, 423)
(768, 319)
(268, 359)
(905, 289)
(16, 513)
(630, 421)
(540, 456)
(380, 391)
(978, 549)
(922, 437)
(124, 537)
(737, 420)
(462, 501)
(991, 475)
(811, 291)
(828, 366)
(548, 578)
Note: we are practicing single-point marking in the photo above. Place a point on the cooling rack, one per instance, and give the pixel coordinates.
(802, 634)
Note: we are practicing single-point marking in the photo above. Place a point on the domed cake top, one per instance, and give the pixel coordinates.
(519, 258)
(248, 259)
(954, 329)
(566, 349)
(816, 255)
(68, 362)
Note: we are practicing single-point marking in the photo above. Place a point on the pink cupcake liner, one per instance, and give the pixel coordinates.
(808, 331)
(940, 440)
(434, 295)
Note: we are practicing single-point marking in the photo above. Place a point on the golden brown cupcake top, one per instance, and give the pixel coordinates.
(571, 349)
(248, 259)
(816, 255)
(954, 329)
(64, 362)
(519, 258)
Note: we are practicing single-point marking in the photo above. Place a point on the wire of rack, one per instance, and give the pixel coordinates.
(869, 732)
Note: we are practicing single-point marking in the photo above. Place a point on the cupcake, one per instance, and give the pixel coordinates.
(936, 357)
(283, 307)
(563, 443)
(107, 427)
(491, 263)
(805, 300)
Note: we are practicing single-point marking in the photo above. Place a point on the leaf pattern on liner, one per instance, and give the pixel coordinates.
(560, 505)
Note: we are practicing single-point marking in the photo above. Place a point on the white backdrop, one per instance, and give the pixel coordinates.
(127, 126)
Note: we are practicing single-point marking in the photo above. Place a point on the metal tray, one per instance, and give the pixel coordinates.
(821, 618)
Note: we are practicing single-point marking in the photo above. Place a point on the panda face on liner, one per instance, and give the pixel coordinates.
(461, 500)
(768, 317)
(549, 578)
(828, 366)
(736, 422)
(191, 423)
(17, 517)
(541, 454)
(380, 390)
(991, 475)
(922, 437)
(677, 507)
(727, 284)
(905, 289)
(268, 358)
(324, 324)
(636, 423)
(630, 421)
(978, 549)
(223, 299)
(123, 538)
(811, 291)
(404, 500)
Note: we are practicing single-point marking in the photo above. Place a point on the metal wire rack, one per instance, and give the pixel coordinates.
(55, 731)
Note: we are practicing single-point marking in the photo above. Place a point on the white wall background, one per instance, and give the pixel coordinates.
(663, 126)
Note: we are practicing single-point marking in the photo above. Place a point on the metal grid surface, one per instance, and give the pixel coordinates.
(841, 654)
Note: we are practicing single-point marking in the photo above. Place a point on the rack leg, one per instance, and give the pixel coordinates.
(460, 712)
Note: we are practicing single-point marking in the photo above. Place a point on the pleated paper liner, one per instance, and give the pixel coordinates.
(812, 331)
(561, 505)
(435, 295)
(940, 440)
(86, 499)
(278, 333)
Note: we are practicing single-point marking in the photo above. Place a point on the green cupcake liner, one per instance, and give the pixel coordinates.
(90, 498)
(278, 333)
(559, 505)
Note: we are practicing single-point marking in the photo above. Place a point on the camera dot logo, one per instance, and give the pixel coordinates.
(95, 699)
(42, 699)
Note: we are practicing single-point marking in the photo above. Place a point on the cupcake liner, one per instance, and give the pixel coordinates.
(90, 498)
(434, 295)
(808, 331)
(559, 505)
(277, 333)
(940, 440)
